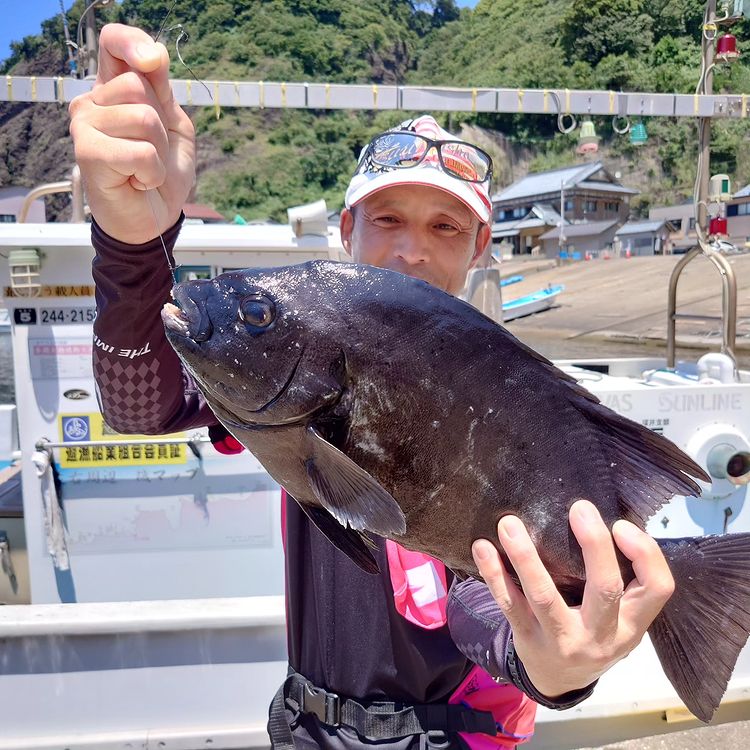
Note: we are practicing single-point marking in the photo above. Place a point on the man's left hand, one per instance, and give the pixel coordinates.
(566, 648)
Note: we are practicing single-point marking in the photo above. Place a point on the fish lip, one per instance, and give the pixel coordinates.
(223, 411)
(184, 317)
(284, 388)
(175, 321)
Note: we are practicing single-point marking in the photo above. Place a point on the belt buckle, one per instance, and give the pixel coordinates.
(316, 701)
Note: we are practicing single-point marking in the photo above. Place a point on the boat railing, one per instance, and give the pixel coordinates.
(45, 444)
(74, 186)
(728, 302)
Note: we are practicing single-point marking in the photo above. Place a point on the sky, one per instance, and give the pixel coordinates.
(24, 17)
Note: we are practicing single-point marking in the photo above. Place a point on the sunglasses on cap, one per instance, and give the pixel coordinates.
(403, 149)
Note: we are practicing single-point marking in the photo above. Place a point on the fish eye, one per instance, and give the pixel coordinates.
(257, 311)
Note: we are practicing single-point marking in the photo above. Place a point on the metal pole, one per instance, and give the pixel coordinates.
(561, 239)
(704, 123)
(91, 43)
(72, 66)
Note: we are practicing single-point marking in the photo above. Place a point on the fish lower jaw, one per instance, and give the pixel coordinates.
(174, 320)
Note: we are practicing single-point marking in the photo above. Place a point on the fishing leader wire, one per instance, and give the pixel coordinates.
(182, 37)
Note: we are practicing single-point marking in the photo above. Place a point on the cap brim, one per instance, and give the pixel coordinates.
(429, 177)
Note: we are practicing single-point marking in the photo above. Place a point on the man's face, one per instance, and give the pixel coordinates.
(417, 230)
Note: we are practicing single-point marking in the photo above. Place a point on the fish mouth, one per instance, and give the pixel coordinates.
(251, 415)
(175, 321)
(284, 388)
(186, 318)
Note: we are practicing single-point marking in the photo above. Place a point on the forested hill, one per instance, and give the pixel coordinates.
(257, 163)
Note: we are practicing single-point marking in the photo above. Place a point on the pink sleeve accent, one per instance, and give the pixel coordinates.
(514, 712)
(419, 585)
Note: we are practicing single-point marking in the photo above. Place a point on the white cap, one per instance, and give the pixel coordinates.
(366, 181)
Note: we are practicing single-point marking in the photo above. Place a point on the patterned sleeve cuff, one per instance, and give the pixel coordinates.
(519, 677)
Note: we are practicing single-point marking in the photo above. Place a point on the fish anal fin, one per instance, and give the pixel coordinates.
(701, 630)
(351, 495)
(353, 544)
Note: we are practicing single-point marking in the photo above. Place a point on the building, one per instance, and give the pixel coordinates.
(198, 213)
(738, 218)
(579, 240)
(11, 200)
(527, 211)
(651, 237)
(682, 220)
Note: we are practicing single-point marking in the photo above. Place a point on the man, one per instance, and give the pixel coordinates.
(372, 664)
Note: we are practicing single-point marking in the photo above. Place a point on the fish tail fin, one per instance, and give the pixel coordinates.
(705, 624)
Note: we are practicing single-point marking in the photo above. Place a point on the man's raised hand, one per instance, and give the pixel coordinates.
(130, 136)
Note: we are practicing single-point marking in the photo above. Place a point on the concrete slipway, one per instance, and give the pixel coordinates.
(624, 300)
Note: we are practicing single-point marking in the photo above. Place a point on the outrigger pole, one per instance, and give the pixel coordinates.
(701, 202)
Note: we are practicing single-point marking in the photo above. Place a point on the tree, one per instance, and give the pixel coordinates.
(593, 29)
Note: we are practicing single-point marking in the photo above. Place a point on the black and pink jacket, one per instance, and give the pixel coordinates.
(345, 632)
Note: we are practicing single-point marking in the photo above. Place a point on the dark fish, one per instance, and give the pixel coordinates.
(384, 405)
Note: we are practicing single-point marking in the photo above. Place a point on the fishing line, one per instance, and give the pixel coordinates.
(182, 37)
(172, 269)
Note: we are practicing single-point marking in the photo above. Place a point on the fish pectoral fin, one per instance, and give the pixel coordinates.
(353, 544)
(348, 492)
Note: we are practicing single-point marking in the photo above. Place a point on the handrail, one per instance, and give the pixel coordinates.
(43, 444)
(74, 185)
(376, 96)
(728, 301)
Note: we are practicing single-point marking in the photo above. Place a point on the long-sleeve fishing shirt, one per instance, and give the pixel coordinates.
(344, 632)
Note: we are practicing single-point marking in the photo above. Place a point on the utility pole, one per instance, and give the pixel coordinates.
(72, 65)
(90, 42)
(704, 123)
(561, 238)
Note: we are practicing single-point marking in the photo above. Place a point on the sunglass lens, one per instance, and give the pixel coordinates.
(465, 161)
(398, 150)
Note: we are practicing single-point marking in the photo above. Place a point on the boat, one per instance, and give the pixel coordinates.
(511, 280)
(532, 303)
(142, 578)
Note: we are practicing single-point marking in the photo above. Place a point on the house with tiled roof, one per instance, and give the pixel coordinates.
(528, 215)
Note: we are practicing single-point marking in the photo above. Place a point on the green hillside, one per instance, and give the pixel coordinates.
(257, 163)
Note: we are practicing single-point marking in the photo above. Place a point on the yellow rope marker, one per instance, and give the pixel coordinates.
(217, 104)
(567, 101)
(261, 95)
(283, 95)
(9, 82)
(33, 88)
(189, 90)
(545, 100)
(696, 104)
(520, 100)
(328, 96)
(473, 100)
(60, 90)
(744, 105)
(611, 102)
(374, 95)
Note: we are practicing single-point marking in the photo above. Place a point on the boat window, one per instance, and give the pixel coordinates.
(191, 273)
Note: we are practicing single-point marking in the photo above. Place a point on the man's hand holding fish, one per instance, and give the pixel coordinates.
(564, 648)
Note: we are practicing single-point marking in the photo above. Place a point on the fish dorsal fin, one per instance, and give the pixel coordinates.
(351, 495)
